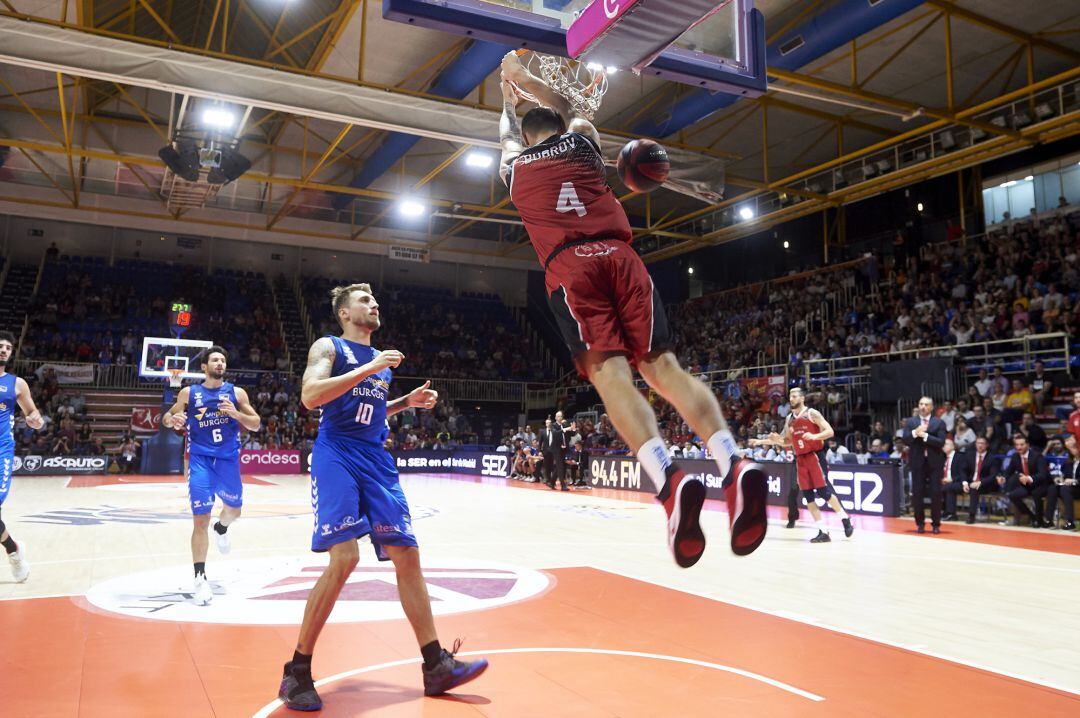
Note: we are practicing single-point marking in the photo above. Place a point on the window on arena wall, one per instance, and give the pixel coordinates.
(1016, 194)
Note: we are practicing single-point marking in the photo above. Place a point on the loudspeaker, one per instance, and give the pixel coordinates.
(233, 166)
(183, 162)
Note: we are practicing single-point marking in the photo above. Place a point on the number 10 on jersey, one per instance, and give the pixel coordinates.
(363, 413)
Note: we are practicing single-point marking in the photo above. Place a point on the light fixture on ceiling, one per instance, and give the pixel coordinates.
(746, 213)
(787, 245)
(919, 206)
(218, 118)
(479, 159)
(690, 270)
(411, 208)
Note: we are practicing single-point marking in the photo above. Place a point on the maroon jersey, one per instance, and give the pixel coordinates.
(1074, 424)
(560, 189)
(801, 425)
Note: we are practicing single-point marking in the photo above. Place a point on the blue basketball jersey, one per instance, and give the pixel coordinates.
(211, 433)
(360, 413)
(7, 410)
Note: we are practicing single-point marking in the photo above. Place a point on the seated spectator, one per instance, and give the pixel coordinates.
(1027, 476)
(964, 436)
(954, 478)
(129, 453)
(1041, 385)
(862, 455)
(1064, 487)
(835, 452)
(1035, 434)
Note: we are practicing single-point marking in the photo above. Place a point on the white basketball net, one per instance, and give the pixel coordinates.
(583, 88)
(176, 378)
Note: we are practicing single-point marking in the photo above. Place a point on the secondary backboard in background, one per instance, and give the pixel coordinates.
(725, 53)
(160, 354)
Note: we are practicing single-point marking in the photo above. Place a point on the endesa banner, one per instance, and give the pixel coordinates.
(270, 461)
(863, 489)
(476, 463)
(44, 465)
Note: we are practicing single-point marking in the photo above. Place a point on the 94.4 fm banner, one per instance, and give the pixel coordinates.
(862, 489)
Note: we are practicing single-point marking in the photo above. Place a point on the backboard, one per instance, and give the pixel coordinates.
(162, 354)
(724, 53)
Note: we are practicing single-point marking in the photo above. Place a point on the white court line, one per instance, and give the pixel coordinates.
(914, 648)
(274, 705)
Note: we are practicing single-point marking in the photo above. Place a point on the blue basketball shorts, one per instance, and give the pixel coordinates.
(209, 477)
(355, 491)
(7, 465)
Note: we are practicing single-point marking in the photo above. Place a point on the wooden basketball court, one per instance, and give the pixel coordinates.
(573, 597)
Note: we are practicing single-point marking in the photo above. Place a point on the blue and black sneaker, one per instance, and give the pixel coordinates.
(450, 673)
(297, 690)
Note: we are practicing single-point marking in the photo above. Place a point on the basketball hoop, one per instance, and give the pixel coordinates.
(176, 377)
(583, 88)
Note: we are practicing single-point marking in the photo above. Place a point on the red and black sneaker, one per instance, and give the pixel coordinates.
(683, 496)
(746, 490)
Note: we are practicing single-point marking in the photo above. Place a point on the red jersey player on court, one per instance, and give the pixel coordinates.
(806, 431)
(1073, 425)
(609, 312)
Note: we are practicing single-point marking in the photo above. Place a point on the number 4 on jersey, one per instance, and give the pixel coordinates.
(568, 200)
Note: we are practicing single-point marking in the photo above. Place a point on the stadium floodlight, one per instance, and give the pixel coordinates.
(218, 118)
(746, 213)
(411, 207)
(479, 159)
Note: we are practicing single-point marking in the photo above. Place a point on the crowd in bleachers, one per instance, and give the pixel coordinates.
(88, 311)
(467, 337)
(67, 430)
(1019, 279)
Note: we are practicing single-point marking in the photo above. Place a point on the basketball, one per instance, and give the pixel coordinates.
(643, 165)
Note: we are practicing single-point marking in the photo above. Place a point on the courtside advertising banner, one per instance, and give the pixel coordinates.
(46, 465)
(270, 461)
(473, 463)
(476, 463)
(863, 489)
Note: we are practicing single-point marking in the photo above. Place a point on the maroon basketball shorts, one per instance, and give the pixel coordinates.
(811, 471)
(604, 300)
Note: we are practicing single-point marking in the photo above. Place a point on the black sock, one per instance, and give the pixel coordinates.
(9, 545)
(220, 528)
(432, 652)
(200, 568)
(301, 659)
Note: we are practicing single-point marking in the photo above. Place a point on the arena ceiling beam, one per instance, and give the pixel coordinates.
(1002, 29)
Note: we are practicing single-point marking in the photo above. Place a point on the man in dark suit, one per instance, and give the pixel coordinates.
(553, 444)
(1065, 487)
(986, 477)
(1027, 475)
(954, 477)
(925, 434)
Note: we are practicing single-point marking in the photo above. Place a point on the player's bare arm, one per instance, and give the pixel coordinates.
(509, 129)
(26, 403)
(242, 411)
(176, 417)
(822, 423)
(318, 387)
(422, 397)
(519, 75)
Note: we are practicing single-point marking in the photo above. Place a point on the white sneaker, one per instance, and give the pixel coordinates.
(20, 567)
(203, 594)
(224, 543)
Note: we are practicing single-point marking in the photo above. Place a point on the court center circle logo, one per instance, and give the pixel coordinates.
(273, 591)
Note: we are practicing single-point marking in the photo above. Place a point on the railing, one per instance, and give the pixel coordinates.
(124, 376)
(1026, 351)
(305, 320)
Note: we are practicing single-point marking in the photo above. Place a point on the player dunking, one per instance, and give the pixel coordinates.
(13, 390)
(609, 312)
(218, 410)
(355, 491)
(805, 431)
